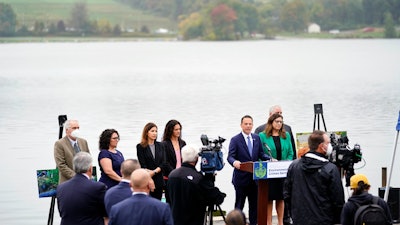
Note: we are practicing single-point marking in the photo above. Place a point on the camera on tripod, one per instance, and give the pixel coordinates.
(211, 154)
(344, 156)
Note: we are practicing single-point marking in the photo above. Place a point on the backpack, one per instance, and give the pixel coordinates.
(370, 214)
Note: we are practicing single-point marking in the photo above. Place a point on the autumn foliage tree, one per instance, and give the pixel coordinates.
(222, 19)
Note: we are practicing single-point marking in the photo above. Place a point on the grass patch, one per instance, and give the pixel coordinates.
(51, 11)
(353, 34)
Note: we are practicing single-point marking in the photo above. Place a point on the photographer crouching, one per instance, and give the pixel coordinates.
(191, 192)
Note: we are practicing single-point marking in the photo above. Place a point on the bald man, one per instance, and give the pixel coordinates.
(140, 208)
(123, 190)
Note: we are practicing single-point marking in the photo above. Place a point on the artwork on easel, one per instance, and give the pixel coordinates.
(47, 180)
(302, 140)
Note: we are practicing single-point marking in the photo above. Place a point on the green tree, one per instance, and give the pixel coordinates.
(79, 17)
(390, 30)
(294, 16)
(191, 27)
(8, 20)
(60, 26)
(38, 28)
(117, 30)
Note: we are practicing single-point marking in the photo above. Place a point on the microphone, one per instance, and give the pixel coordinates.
(269, 151)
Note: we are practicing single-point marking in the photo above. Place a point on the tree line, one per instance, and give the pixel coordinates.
(233, 19)
(79, 24)
(230, 19)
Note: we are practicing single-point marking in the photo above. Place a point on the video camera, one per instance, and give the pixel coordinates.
(343, 156)
(211, 154)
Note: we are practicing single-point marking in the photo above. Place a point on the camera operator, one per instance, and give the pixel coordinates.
(191, 192)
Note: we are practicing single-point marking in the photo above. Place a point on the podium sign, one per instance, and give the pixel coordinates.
(266, 170)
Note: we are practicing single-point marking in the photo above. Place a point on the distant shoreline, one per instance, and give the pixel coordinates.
(355, 34)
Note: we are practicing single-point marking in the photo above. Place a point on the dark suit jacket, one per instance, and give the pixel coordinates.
(116, 194)
(63, 154)
(287, 128)
(140, 209)
(81, 201)
(238, 151)
(147, 161)
(170, 155)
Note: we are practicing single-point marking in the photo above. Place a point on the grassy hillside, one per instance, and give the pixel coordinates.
(48, 11)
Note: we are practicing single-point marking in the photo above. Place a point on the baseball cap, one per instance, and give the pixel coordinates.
(355, 179)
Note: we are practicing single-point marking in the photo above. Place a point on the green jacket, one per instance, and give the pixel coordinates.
(286, 145)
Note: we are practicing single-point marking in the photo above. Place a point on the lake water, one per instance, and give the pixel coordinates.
(207, 86)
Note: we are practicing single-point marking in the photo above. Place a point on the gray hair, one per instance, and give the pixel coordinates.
(67, 123)
(82, 162)
(272, 109)
(190, 153)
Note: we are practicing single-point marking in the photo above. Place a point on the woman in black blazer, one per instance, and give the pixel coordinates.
(151, 155)
(173, 144)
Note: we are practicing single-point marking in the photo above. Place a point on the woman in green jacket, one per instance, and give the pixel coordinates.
(276, 143)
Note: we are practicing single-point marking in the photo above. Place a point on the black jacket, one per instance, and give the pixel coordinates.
(170, 155)
(147, 161)
(350, 208)
(313, 191)
(190, 192)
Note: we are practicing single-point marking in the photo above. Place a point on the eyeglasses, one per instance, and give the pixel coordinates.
(278, 121)
(115, 138)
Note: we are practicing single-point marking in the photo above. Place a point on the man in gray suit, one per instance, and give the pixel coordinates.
(66, 148)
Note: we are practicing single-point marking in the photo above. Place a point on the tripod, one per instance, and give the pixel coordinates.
(208, 216)
(317, 112)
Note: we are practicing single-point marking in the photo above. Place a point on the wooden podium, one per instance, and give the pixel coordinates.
(262, 198)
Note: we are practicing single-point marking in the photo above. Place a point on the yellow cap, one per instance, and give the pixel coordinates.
(355, 179)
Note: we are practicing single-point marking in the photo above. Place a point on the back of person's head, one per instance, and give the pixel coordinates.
(315, 139)
(359, 183)
(82, 162)
(190, 153)
(128, 166)
(140, 180)
(235, 217)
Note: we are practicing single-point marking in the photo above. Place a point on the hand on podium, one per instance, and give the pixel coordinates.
(236, 164)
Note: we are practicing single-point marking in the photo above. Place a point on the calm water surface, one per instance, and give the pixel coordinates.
(208, 86)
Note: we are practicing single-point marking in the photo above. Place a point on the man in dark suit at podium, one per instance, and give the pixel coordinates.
(245, 147)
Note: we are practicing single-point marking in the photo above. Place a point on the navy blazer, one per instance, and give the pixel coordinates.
(238, 151)
(140, 209)
(147, 161)
(116, 194)
(81, 201)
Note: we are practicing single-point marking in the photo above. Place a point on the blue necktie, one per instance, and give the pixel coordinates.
(249, 145)
(76, 147)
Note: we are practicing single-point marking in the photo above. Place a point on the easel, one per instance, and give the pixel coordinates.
(208, 217)
(317, 112)
(61, 121)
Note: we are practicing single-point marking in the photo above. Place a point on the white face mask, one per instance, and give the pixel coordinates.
(76, 133)
(329, 150)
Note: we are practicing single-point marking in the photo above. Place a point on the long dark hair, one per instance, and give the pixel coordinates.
(268, 127)
(169, 130)
(105, 138)
(144, 142)
(361, 187)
